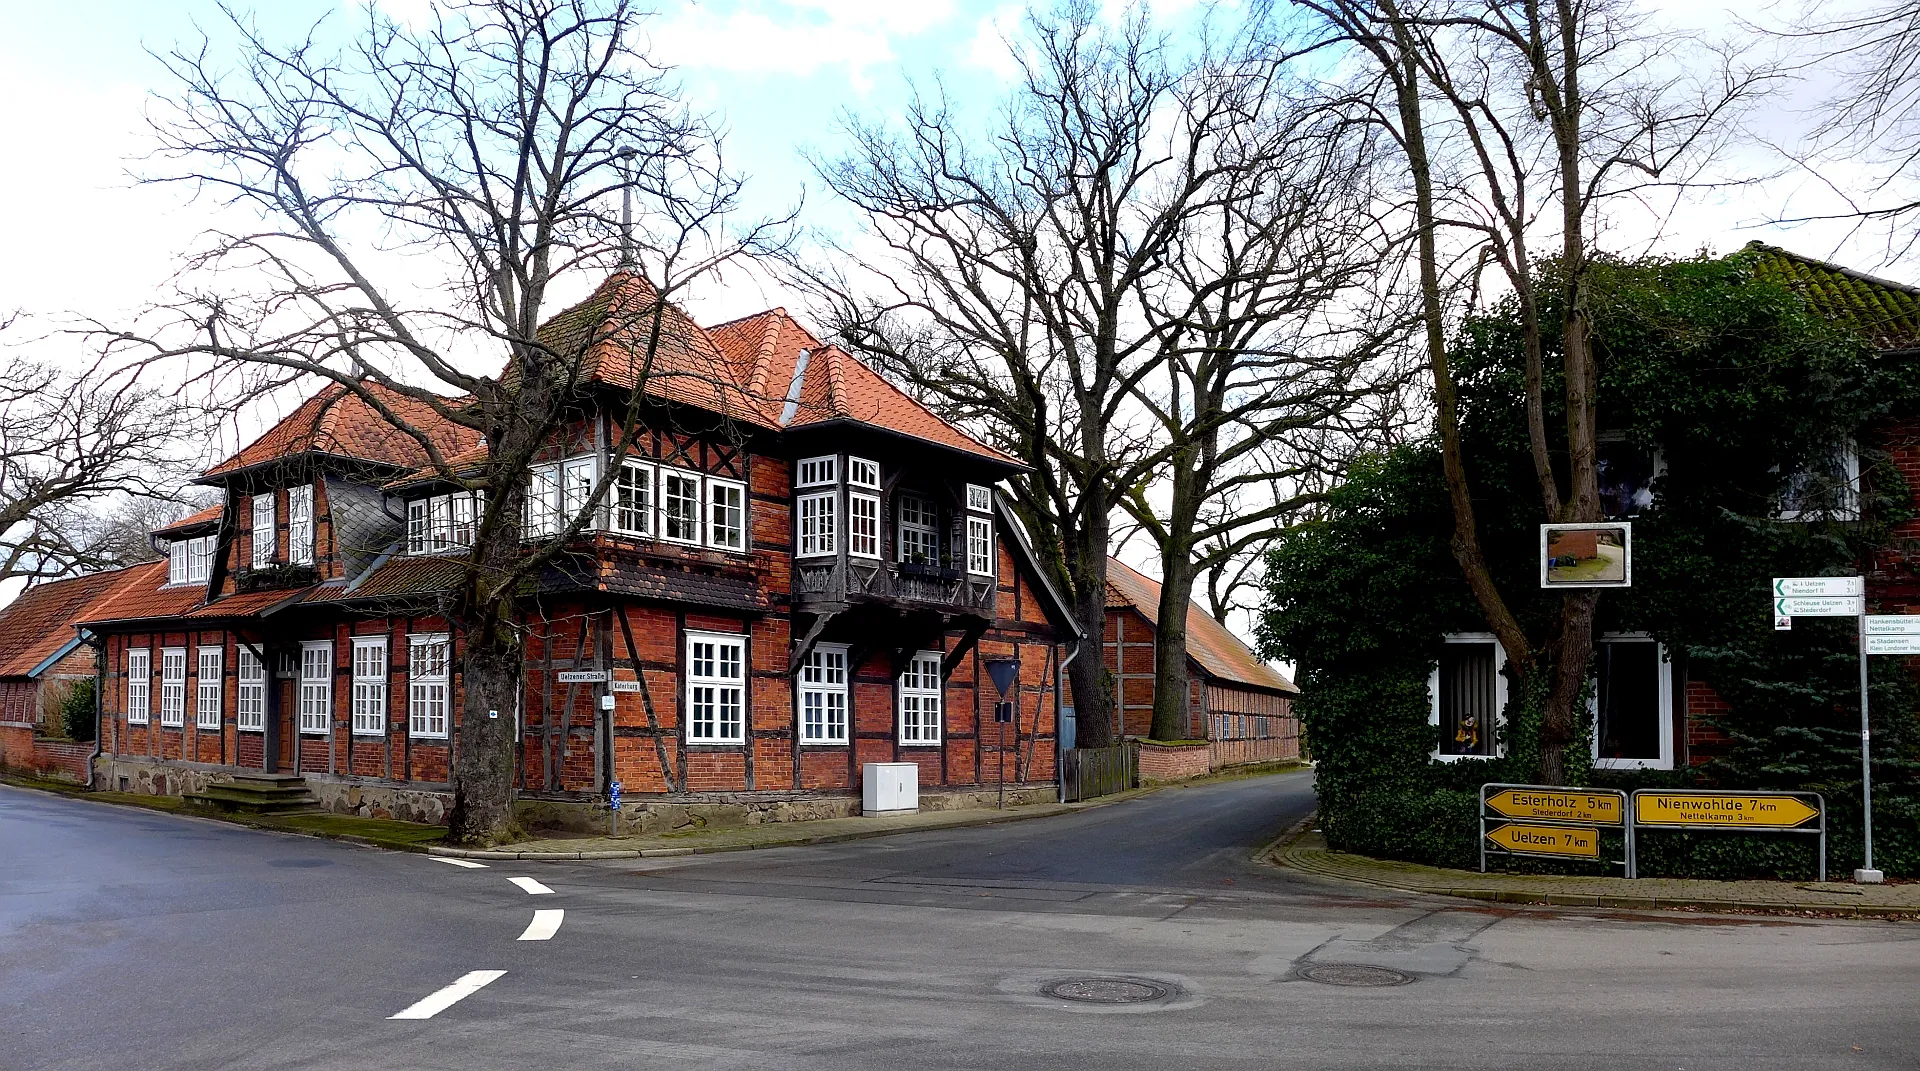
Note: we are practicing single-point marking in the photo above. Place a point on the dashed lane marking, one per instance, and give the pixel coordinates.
(531, 886)
(466, 864)
(544, 925)
(440, 1000)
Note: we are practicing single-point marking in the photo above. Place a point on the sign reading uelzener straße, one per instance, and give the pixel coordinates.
(1563, 806)
(1721, 810)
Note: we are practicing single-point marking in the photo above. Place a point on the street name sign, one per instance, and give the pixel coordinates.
(1893, 644)
(1792, 587)
(1721, 810)
(1820, 606)
(1893, 624)
(581, 676)
(1524, 839)
(1549, 805)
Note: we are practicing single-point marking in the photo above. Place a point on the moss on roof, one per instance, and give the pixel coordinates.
(1885, 313)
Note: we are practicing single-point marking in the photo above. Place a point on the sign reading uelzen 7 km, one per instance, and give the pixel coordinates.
(1708, 809)
(1546, 840)
(1596, 808)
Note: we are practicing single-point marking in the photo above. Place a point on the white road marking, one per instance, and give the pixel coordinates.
(436, 1002)
(465, 863)
(531, 886)
(544, 925)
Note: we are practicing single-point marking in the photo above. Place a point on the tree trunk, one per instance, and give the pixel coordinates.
(1172, 704)
(490, 668)
(1086, 553)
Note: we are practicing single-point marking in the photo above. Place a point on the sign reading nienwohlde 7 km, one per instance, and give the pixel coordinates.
(1593, 808)
(1756, 810)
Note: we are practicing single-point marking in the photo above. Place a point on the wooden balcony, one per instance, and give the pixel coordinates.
(830, 582)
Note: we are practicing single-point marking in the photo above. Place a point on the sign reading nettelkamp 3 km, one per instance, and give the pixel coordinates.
(1599, 809)
(1757, 810)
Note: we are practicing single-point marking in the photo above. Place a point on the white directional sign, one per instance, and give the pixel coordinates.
(1832, 606)
(1790, 587)
(1909, 644)
(1893, 625)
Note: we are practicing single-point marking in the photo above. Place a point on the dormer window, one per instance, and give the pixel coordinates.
(189, 560)
(263, 531)
(442, 522)
(300, 525)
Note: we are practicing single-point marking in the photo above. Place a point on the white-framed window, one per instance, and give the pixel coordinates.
(316, 686)
(979, 546)
(979, 498)
(816, 471)
(300, 524)
(441, 522)
(920, 700)
(188, 560)
(464, 510)
(863, 525)
(429, 661)
(823, 695)
(173, 686)
(577, 477)
(814, 519)
(139, 685)
(1827, 487)
(1632, 703)
(263, 534)
(863, 473)
(250, 693)
(633, 499)
(716, 688)
(680, 506)
(543, 501)
(177, 562)
(370, 685)
(207, 688)
(919, 531)
(1468, 693)
(726, 514)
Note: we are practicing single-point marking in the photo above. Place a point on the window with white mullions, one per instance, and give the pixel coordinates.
(680, 506)
(863, 525)
(429, 658)
(863, 473)
(633, 499)
(919, 689)
(814, 519)
(139, 686)
(542, 510)
(726, 514)
(919, 532)
(250, 692)
(823, 695)
(577, 478)
(207, 688)
(263, 531)
(816, 471)
(369, 704)
(173, 686)
(716, 688)
(979, 546)
(300, 524)
(979, 498)
(316, 687)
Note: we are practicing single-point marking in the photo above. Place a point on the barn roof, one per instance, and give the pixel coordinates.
(1219, 652)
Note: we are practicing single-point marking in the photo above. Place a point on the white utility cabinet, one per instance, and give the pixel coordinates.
(889, 788)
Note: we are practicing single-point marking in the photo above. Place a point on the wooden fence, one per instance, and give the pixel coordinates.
(1088, 772)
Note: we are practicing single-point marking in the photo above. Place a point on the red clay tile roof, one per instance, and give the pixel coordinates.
(837, 385)
(338, 421)
(140, 594)
(1219, 652)
(203, 519)
(247, 603)
(37, 624)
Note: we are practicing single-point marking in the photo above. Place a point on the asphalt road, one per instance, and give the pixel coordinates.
(130, 939)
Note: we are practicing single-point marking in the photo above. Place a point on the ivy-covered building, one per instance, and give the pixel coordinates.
(1760, 417)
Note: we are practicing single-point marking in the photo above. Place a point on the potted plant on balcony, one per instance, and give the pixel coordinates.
(949, 568)
(917, 564)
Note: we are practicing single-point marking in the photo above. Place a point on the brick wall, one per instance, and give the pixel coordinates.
(58, 760)
(1159, 762)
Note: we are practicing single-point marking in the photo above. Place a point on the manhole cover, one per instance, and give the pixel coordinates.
(1357, 974)
(1105, 990)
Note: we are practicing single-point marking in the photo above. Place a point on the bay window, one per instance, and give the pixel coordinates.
(979, 546)
(726, 514)
(633, 499)
(680, 506)
(863, 525)
(919, 531)
(814, 519)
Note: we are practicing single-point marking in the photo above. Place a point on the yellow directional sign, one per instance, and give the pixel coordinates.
(1558, 805)
(1757, 810)
(1546, 840)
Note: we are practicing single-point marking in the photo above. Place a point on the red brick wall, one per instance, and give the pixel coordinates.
(1160, 763)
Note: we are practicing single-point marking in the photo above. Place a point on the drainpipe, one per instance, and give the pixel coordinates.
(99, 646)
(1059, 710)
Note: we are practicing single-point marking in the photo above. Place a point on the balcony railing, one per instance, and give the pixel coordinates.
(859, 580)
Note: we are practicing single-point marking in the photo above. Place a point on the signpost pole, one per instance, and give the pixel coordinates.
(1866, 874)
(1483, 829)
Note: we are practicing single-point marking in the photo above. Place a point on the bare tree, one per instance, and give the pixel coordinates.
(1519, 124)
(425, 193)
(72, 446)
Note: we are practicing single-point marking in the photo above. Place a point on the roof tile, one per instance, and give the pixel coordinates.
(1218, 651)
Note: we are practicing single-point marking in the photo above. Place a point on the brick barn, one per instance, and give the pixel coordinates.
(41, 659)
(797, 570)
(1240, 706)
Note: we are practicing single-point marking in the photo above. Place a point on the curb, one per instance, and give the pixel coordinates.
(1275, 854)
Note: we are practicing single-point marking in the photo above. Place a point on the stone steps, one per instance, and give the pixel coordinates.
(257, 793)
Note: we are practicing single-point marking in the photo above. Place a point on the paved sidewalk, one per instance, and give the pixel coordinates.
(769, 835)
(1307, 851)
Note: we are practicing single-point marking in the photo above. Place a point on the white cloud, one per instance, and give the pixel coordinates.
(795, 37)
(991, 45)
